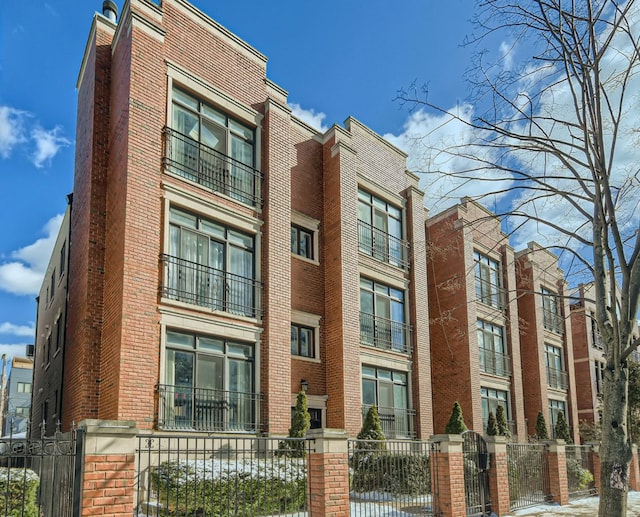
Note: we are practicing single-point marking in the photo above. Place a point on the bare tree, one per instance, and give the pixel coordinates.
(555, 138)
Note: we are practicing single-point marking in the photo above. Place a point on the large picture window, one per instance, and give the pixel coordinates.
(487, 279)
(209, 147)
(380, 230)
(210, 265)
(388, 390)
(491, 399)
(492, 349)
(556, 374)
(555, 408)
(382, 316)
(552, 316)
(209, 384)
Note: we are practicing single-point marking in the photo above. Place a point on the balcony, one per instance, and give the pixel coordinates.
(384, 333)
(395, 422)
(193, 283)
(213, 170)
(557, 379)
(495, 363)
(382, 246)
(552, 321)
(198, 409)
(490, 294)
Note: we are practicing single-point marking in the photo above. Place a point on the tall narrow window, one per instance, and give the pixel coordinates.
(487, 280)
(210, 265)
(556, 374)
(209, 147)
(552, 316)
(492, 349)
(491, 399)
(382, 316)
(63, 258)
(302, 242)
(380, 230)
(302, 341)
(556, 407)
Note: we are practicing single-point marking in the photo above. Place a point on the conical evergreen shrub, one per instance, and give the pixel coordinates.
(492, 426)
(541, 427)
(562, 428)
(456, 423)
(501, 421)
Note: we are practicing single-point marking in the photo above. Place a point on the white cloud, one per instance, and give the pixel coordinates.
(47, 144)
(23, 276)
(310, 116)
(11, 129)
(507, 51)
(16, 330)
(18, 350)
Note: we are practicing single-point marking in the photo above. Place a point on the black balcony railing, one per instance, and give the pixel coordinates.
(490, 294)
(384, 333)
(395, 422)
(213, 170)
(552, 321)
(200, 409)
(205, 286)
(495, 363)
(383, 246)
(557, 379)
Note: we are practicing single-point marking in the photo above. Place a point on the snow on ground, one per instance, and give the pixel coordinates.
(587, 507)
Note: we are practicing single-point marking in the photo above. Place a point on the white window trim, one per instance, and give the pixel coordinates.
(311, 321)
(313, 226)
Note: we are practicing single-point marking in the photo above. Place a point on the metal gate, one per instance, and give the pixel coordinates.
(41, 477)
(476, 474)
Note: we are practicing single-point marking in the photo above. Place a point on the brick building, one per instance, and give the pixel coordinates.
(545, 339)
(475, 341)
(223, 254)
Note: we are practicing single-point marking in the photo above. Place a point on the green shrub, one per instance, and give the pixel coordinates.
(456, 423)
(18, 492)
(501, 421)
(406, 474)
(372, 428)
(300, 424)
(579, 477)
(492, 426)
(541, 427)
(562, 428)
(203, 487)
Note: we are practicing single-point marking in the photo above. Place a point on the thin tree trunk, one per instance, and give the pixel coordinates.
(616, 449)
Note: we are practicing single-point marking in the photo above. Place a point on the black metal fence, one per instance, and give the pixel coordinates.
(221, 476)
(476, 474)
(382, 245)
(579, 471)
(528, 472)
(392, 478)
(41, 477)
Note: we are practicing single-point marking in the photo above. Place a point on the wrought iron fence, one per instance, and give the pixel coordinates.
(41, 476)
(382, 245)
(528, 473)
(495, 363)
(552, 321)
(214, 170)
(384, 333)
(389, 477)
(557, 378)
(579, 471)
(476, 474)
(395, 422)
(201, 409)
(205, 286)
(217, 476)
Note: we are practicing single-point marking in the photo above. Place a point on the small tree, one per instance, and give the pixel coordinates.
(501, 421)
(299, 426)
(456, 423)
(492, 426)
(562, 428)
(541, 427)
(372, 428)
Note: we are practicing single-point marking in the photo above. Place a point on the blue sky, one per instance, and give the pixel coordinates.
(348, 59)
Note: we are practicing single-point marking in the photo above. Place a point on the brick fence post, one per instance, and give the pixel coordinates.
(557, 461)
(595, 463)
(329, 473)
(108, 467)
(498, 475)
(634, 475)
(448, 475)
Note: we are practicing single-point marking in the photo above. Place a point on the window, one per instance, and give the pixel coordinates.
(556, 374)
(492, 349)
(22, 411)
(491, 399)
(24, 387)
(48, 348)
(210, 148)
(210, 265)
(314, 413)
(387, 389)
(599, 367)
(382, 322)
(209, 384)
(596, 340)
(487, 277)
(60, 332)
(556, 407)
(302, 242)
(53, 284)
(302, 341)
(551, 311)
(63, 258)
(380, 230)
